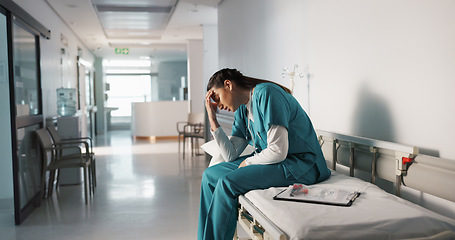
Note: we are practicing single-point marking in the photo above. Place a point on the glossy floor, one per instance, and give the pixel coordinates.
(145, 191)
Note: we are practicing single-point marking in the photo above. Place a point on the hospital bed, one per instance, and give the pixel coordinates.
(378, 170)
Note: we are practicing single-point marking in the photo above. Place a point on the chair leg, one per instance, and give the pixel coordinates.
(180, 135)
(57, 173)
(190, 141)
(93, 176)
(43, 184)
(90, 180)
(94, 172)
(50, 186)
(192, 146)
(183, 150)
(85, 185)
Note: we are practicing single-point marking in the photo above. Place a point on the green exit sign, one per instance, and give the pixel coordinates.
(122, 51)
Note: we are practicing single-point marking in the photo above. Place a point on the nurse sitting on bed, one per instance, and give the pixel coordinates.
(269, 118)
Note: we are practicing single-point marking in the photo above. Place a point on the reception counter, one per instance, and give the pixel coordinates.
(157, 119)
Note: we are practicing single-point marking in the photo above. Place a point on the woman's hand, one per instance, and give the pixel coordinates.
(211, 110)
(209, 105)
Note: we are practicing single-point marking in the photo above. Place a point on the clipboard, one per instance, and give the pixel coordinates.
(318, 194)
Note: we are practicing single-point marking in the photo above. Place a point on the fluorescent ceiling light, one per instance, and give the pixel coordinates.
(116, 8)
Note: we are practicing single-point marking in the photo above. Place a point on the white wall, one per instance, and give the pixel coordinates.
(211, 64)
(393, 62)
(379, 69)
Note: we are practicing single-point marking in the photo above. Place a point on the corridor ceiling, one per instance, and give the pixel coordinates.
(123, 29)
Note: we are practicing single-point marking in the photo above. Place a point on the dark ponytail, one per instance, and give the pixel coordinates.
(217, 80)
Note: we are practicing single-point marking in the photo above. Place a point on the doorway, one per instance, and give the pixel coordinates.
(26, 104)
(124, 90)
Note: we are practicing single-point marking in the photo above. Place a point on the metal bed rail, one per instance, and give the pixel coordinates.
(353, 148)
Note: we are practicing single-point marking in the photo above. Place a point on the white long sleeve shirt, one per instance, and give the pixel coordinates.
(277, 144)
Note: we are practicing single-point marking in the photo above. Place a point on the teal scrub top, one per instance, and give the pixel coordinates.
(271, 105)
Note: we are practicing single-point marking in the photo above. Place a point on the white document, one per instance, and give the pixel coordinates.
(318, 194)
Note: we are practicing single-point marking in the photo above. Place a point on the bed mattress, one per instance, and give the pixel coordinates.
(375, 214)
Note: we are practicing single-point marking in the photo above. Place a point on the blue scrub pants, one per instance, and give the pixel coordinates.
(223, 183)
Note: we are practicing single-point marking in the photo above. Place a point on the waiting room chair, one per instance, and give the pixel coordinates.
(193, 129)
(54, 161)
(74, 141)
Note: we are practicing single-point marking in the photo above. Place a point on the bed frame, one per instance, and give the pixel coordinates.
(396, 168)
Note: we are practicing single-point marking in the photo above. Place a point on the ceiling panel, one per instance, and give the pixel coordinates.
(137, 2)
(142, 21)
(147, 27)
(150, 34)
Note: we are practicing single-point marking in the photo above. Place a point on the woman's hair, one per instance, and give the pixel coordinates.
(218, 78)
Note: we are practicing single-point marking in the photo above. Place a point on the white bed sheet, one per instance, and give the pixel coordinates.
(375, 214)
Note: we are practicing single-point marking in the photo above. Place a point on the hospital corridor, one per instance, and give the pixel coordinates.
(145, 191)
(299, 119)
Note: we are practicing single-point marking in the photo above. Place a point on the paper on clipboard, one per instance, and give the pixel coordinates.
(318, 194)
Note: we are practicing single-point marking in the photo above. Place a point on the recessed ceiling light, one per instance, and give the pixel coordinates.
(137, 33)
(70, 5)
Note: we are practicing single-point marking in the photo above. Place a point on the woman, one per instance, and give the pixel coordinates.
(268, 117)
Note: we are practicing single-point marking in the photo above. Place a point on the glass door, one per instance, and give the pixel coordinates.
(86, 97)
(26, 104)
